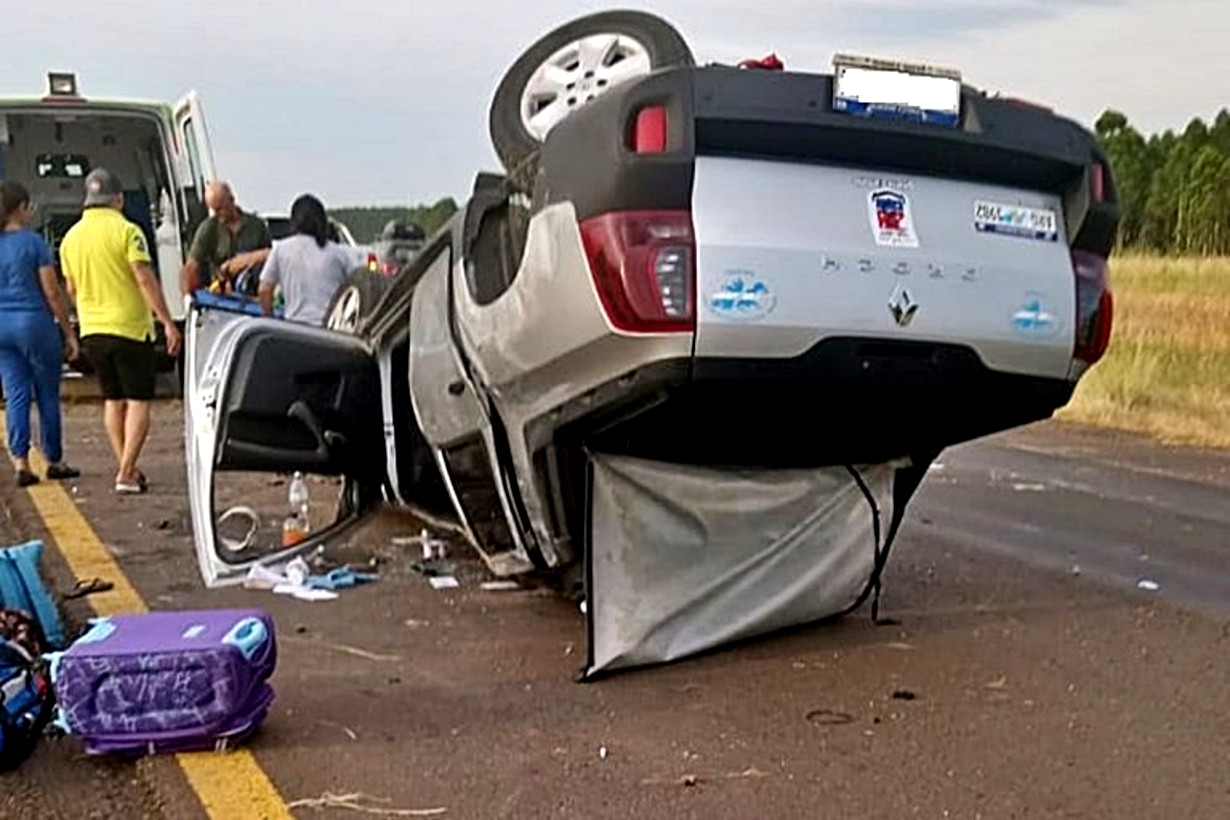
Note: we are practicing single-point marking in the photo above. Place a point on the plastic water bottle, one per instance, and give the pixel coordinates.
(298, 496)
(298, 524)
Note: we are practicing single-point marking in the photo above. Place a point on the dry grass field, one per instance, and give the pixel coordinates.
(1167, 373)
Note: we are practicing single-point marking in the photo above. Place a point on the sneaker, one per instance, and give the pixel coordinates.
(58, 472)
(25, 478)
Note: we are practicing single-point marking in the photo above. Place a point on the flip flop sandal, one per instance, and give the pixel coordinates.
(84, 588)
(125, 488)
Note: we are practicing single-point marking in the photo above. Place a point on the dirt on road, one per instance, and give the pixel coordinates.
(1002, 691)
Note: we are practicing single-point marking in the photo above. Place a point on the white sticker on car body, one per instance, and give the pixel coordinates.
(1016, 220)
(892, 223)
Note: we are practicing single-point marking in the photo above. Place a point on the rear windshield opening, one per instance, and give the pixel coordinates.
(52, 151)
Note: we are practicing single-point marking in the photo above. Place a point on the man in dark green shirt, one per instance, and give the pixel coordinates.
(228, 243)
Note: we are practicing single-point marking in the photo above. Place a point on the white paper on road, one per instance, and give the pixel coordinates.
(685, 559)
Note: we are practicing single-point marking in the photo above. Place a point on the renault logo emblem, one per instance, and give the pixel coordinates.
(902, 307)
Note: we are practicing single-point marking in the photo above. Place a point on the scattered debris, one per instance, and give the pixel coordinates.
(499, 586)
(235, 514)
(443, 582)
(904, 647)
(904, 694)
(415, 623)
(301, 593)
(1028, 487)
(1076, 569)
(434, 549)
(1146, 584)
(999, 683)
(297, 580)
(434, 568)
(355, 802)
(341, 578)
(602, 753)
(348, 650)
(696, 779)
(828, 717)
(584, 608)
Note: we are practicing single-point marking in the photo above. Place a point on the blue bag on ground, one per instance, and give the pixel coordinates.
(26, 700)
(22, 588)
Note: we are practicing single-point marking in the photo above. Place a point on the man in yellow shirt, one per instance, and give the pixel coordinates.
(107, 266)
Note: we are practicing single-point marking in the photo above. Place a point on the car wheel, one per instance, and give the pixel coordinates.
(355, 299)
(571, 66)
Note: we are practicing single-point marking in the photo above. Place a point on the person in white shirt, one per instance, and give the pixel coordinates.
(307, 265)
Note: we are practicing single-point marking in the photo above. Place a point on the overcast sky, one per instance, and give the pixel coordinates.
(385, 101)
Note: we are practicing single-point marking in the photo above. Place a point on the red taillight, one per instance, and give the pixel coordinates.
(1097, 182)
(644, 268)
(389, 268)
(1094, 306)
(649, 130)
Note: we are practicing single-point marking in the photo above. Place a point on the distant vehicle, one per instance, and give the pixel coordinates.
(279, 228)
(396, 245)
(161, 151)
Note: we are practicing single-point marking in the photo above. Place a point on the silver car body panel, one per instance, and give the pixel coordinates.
(546, 342)
(804, 237)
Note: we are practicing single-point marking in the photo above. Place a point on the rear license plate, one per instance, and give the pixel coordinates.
(1016, 220)
(888, 89)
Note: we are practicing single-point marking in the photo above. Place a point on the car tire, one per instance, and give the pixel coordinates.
(355, 300)
(643, 43)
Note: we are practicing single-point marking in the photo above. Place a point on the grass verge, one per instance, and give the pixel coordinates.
(1167, 373)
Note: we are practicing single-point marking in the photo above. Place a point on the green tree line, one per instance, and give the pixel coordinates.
(1174, 189)
(366, 223)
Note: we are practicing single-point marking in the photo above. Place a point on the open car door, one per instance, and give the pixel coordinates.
(265, 398)
(192, 135)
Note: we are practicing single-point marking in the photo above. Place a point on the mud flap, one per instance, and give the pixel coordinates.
(684, 559)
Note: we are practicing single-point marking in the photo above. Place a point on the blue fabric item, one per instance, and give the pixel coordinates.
(31, 351)
(22, 253)
(22, 588)
(229, 302)
(249, 635)
(340, 579)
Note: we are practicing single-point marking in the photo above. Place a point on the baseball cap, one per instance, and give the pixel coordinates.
(101, 186)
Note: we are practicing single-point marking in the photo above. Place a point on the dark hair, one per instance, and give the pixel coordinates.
(307, 216)
(12, 196)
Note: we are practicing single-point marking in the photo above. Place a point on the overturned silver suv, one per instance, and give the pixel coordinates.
(696, 294)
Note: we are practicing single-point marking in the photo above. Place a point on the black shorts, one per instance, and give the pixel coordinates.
(126, 369)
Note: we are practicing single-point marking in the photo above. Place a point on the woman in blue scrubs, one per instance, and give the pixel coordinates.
(31, 346)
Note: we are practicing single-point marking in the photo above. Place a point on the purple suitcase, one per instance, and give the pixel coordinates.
(167, 681)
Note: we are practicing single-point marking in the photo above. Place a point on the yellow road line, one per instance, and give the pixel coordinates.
(230, 786)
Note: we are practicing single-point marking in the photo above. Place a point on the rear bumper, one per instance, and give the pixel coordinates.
(843, 401)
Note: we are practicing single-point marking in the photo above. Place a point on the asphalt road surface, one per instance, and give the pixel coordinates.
(1028, 675)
